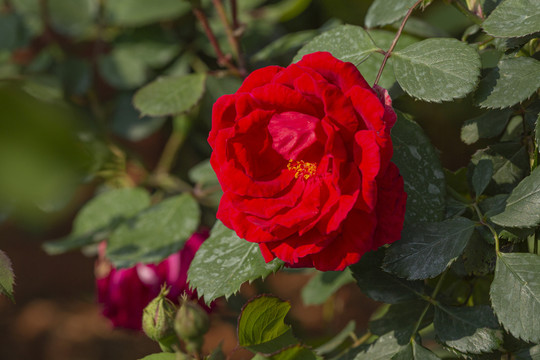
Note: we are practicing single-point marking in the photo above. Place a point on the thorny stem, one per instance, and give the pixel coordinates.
(433, 296)
(395, 41)
(483, 222)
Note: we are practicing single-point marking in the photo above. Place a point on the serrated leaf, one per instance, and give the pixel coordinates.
(483, 171)
(384, 12)
(154, 233)
(383, 349)
(437, 69)
(515, 294)
(523, 205)
(512, 81)
(514, 18)
(323, 285)
(380, 285)
(346, 42)
(224, 262)
(261, 326)
(479, 257)
(99, 216)
(337, 340)
(413, 351)
(427, 249)
(142, 12)
(485, 126)
(467, 329)
(7, 278)
(170, 95)
(421, 169)
(401, 319)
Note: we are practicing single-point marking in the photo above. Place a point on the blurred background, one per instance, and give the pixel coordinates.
(68, 128)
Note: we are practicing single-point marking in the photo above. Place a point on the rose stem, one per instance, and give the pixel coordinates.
(234, 10)
(394, 43)
(233, 40)
(223, 60)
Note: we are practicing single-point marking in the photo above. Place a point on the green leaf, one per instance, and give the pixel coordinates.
(346, 42)
(170, 95)
(323, 285)
(485, 126)
(479, 257)
(143, 12)
(413, 351)
(203, 174)
(380, 285)
(383, 349)
(421, 169)
(532, 353)
(515, 294)
(7, 278)
(224, 262)
(467, 329)
(14, 34)
(401, 319)
(127, 123)
(330, 346)
(427, 249)
(514, 18)
(384, 12)
(284, 44)
(523, 205)
(121, 69)
(511, 82)
(483, 171)
(261, 326)
(154, 233)
(437, 69)
(160, 356)
(99, 216)
(72, 17)
(296, 352)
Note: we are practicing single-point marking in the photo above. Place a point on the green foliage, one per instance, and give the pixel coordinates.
(483, 171)
(224, 262)
(485, 126)
(337, 340)
(400, 319)
(383, 349)
(421, 69)
(161, 356)
(170, 95)
(413, 351)
(383, 12)
(515, 294)
(7, 278)
(141, 12)
(514, 18)
(323, 285)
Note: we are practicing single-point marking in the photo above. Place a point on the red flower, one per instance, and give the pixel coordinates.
(124, 293)
(303, 156)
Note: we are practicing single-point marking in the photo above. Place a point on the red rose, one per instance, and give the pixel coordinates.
(303, 156)
(124, 293)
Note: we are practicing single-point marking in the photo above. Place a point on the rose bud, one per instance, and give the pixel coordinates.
(303, 155)
(191, 323)
(158, 320)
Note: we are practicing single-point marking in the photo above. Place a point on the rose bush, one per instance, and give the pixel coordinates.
(303, 156)
(124, 293)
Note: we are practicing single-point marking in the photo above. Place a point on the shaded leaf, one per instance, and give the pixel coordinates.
(261, 326)
(143, 12)
(413, 351)
(154, 233)
(532, 353)
(337, 340)
(384, 12)
(170, 95)
(401, 319)
(437, 69)
(121, 69)
(512, 81)
(224, 262)
(513, 18)
(284, 44)
(467, 329)
(72, 17)
(427, 249)
(479, 257)
(383, 349)
(485, 126)
(483, 171)
(421, 169)
(515, 294)
(523, 205)
(127, 123)
(323, 285)
(380, 285)
(7, 278)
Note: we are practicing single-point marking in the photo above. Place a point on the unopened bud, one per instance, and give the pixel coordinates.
(158, 320)
(191, 324)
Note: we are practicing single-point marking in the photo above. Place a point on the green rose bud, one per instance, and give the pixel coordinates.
(191, 324)
(158, 320)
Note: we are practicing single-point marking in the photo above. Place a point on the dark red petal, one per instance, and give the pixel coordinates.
(370, 108)
(367, 156)
(223, 116)
(259, 77)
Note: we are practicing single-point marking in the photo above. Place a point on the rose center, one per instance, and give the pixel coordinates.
(302, 168)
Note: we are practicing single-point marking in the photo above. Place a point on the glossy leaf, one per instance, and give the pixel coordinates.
(515, 294)
(224, 262)
(485, 126)
(437, 69)
(154, 233)
(261, 326)
(384, 12)
(427, 249)
(380, 285)
(523, 205)
(512, 81)
(467, 329)
(323, 285)
(7, 278)
(483, 171)
(421, 169)
(514, 18)
(413, 351)
(383, 349)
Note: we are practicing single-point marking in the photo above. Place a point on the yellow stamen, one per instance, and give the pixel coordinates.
(302, 168)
